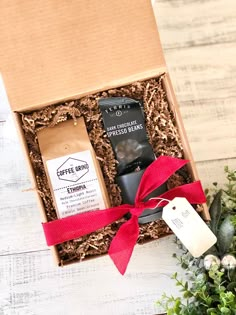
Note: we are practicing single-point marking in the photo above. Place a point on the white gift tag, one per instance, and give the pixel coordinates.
(188, 226)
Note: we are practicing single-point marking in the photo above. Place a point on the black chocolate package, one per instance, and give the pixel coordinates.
(125, 126)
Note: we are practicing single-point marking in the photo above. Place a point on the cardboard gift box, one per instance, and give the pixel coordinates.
(55, 51)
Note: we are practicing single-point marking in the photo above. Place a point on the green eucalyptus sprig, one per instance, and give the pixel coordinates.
(206, 295)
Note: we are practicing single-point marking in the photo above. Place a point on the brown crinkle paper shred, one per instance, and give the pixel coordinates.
(163, 136)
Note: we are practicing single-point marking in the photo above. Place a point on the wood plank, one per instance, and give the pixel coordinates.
(203, 73)
(206, 92)
(4, 105)
(213, 171)
(20, 228)
(195, 23)
(205, 89)
(211, 127)
(33, 285)
(199, 44)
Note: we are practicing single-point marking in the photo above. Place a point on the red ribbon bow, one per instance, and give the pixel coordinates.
(122, 245)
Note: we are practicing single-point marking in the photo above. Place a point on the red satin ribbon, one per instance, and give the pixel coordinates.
(122, 245)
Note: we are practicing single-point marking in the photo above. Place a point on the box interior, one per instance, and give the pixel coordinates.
(163, 127)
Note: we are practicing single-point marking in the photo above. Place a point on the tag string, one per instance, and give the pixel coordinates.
(161, 199)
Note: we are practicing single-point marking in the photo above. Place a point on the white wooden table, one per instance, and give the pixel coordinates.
(199, 40)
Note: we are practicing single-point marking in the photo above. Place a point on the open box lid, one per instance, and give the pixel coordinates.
(56, 50)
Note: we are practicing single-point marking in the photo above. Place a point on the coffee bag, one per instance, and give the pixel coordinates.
(73, 172)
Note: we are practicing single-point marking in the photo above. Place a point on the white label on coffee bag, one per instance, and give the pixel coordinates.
(75, 184)
(187, 225)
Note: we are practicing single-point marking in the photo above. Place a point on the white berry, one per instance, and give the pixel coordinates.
(228, 262)
(210, 261)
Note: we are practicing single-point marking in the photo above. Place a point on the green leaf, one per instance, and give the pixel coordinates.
(174, 276)
(187, 295)
(211, 311)
(170, 312)
(225, 310)
(225, 235)
(184, 265)
(231, 286)
(215, 211)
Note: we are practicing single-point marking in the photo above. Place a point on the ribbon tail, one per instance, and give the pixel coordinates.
(68, 228)
(123, 243)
